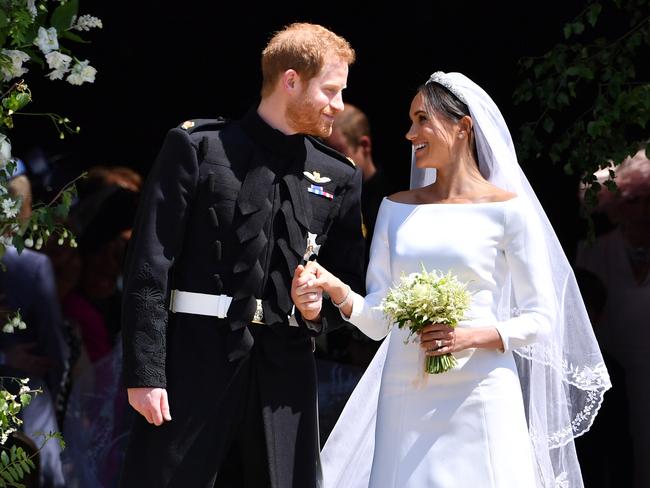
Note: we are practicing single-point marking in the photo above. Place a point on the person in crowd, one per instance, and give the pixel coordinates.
(97, 417)
(351, 136)
(218, 361)
(38, 352)
(343, 355)
(605, 468)
(501, 417)
(620, 258)
(102, 224)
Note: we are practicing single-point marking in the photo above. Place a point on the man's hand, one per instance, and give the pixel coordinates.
(21, 357)
(151, 403)
(307, 298)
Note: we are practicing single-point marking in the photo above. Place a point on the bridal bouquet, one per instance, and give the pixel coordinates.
(428, 298)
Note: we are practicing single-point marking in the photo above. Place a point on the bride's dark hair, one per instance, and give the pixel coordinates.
(439, 100)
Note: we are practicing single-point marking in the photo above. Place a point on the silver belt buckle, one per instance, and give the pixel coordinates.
(258, 317)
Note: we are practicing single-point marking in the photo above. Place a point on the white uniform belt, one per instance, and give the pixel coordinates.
(205, 304)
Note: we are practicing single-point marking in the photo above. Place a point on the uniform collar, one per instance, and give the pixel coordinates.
(272, 139)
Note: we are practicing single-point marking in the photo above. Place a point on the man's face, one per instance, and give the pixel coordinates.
(313, 109)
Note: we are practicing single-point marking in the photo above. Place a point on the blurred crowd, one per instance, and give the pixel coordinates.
(613, 272)
(70, 299)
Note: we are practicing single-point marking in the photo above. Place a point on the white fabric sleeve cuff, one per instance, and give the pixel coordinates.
(522, 331)
(369, 320)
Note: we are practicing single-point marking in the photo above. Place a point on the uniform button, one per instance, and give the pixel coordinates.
(217, 250)
(213, 217)
(218, 283)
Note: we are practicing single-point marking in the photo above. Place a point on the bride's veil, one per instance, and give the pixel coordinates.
(563, 379)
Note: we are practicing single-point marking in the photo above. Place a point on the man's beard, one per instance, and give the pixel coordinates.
(305, 118)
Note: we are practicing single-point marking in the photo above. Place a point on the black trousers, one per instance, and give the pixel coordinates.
(223, 413)
(229, 449)
(244, 463)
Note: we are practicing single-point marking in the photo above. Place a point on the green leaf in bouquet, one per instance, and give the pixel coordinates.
(62, 16)
(16, 100)
(22, 29)
(25, 399)
(61, 211)
(4, 20)
(18, 242)
(73, 37)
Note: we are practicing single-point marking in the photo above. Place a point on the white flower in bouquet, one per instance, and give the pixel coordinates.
(10, 207)
(47, 40)
(31, 6)
(59, 63)
(427, 298)
(86, 22)
(15, 323)
(5, 151)
(81, 73)
(16, 68)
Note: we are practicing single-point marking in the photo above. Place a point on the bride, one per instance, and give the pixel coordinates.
(530, 376)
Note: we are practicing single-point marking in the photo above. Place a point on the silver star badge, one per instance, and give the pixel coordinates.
(312, 247)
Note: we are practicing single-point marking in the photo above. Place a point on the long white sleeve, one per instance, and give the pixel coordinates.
(366, 312)
(531, 280)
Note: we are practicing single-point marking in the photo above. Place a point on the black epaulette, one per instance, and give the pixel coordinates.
(198, 125)
(320, 145)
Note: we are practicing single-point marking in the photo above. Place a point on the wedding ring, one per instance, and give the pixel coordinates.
(438, 344)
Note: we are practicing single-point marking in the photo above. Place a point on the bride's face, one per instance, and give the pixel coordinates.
(432, 136)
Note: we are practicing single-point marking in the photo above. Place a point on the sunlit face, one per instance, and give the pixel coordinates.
(312, 110)
(432, 137)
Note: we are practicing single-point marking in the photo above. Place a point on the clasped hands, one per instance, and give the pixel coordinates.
(307, 290)
(309, 284)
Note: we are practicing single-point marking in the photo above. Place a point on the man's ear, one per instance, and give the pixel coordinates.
(365, 143)
(291, 82)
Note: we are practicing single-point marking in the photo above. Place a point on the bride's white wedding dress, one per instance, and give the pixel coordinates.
(465, 427)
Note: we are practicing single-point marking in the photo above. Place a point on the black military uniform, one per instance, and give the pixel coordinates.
(229, 208)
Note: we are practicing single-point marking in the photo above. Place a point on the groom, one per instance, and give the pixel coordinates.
(217, 360)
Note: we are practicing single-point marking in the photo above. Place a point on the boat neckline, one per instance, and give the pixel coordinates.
(451, 204)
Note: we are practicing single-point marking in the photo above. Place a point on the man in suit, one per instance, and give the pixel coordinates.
(217, 360)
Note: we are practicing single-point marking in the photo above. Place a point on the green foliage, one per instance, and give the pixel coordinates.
(64, 14)
(591, 107)
(14, 464)
(32, 31)
(11, 404)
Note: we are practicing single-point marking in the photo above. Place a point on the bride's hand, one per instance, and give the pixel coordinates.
(439, 339)
(326, 280)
